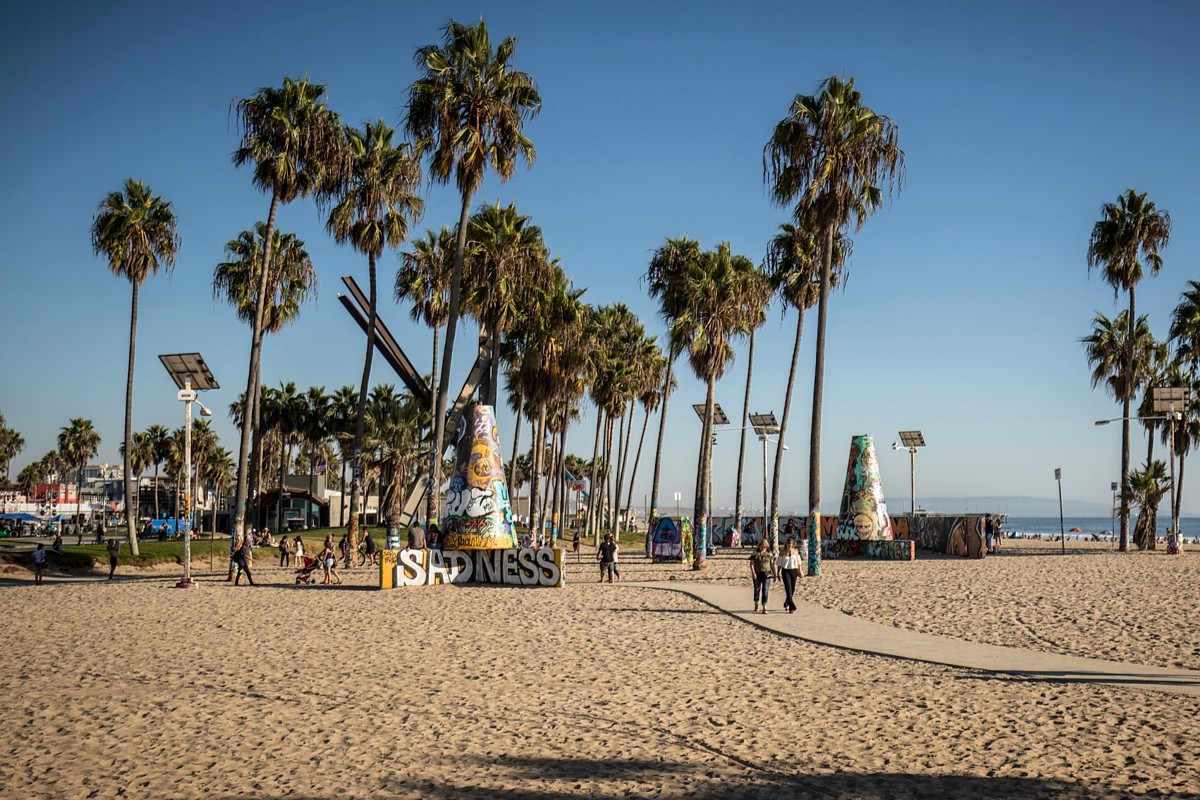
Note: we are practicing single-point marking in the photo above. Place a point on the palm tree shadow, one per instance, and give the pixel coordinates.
(571, 771)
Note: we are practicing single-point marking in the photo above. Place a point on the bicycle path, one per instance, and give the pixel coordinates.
(814, 623)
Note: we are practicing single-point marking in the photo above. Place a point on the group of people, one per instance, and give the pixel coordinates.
(765, 566)
(419, 539)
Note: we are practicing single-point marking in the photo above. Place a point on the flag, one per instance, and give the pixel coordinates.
(320, 469)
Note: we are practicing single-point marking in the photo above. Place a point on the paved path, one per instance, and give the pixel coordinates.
(814, 623)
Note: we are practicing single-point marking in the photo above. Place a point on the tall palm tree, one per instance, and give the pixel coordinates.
(1185, 336)
(467, 110)
(345, 412)
(758, 298)
(506, 260)
(217, 470)
(720, 287)
(793, 261)
(77, 442)
(374, 207)
(1129, 231)
(424, 281)
(393, 434)
(136, 231)
(665, 282)
(296, 147)
(831, 156)
(11, 444)
(316, 427)
(144, 454)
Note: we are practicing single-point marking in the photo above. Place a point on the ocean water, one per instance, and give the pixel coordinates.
(1189, 527)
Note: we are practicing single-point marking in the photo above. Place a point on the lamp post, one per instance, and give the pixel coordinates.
(910, 441)
(719, 418)
(190, 373)
(1061, 524)
(765, 426)
(1171, 400)
(1113, 531)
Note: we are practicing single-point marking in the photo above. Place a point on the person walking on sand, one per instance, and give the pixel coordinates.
(39, 564)
(285, 551)
(328, 561)
(762, 567)
(243, 558)
(113, 548)
(788, 565)
(606, 555)
(575, 546)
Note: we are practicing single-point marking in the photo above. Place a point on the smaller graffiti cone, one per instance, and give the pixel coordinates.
(864, 513)
(478, 511)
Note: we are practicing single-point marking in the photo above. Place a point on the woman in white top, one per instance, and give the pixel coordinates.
(788, 562)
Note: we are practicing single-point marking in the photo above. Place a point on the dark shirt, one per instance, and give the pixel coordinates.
(607, 551)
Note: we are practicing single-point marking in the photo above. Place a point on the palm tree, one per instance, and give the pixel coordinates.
(1145, 488)
(217, 470)
(830, 156)
(467, 111)
(157, 441)
(142, 457)
(720, 288)
(1185, 336)
(793, 260)
(77, 442)
(506, 260)
(316, 425)
(759, 296)
(424, 281)
(135, 231)
(345, 411)
(11, 444)
(374, 207)
(393, 437)
(1129, 231)
(296, 147)
(665, 282)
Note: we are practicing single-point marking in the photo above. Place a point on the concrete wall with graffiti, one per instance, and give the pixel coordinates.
(959, 535)
(863, 514)
(881, 549)
(670, 540)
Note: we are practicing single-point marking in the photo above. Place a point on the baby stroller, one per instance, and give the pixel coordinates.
(305, 573)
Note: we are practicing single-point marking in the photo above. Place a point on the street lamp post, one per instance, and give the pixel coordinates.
(910, 441)
(1170, 400)
(765, 426)
(190, 373)
(719, 418)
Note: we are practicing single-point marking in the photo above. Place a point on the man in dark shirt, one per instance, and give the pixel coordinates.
(606, 555)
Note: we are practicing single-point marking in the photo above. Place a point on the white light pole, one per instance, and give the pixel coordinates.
(188, 370)
(1165, 400)
(910, 441)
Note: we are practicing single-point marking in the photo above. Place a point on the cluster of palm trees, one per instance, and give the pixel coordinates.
(11, 445)
(78, 441)
(1127, 359)
(830, 161)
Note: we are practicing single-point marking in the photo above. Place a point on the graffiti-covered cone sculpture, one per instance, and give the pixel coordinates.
(864, 513)
(478, 511)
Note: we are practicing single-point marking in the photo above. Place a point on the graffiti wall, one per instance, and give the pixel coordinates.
(517, 567)
(863, 514)
(478, 511)
(670, 540)
(955, 535)
(882, 549)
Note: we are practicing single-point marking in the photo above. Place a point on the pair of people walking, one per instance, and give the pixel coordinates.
(765, 567)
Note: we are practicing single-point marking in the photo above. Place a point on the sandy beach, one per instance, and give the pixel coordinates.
(136, 689)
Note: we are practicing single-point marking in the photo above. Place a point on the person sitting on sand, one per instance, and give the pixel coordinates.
(114, 547)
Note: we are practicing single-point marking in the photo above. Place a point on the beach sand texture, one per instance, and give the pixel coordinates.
(136, 689)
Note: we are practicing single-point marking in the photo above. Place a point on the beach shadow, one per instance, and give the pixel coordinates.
(674, 611)
(757, 784)
(1148, 680)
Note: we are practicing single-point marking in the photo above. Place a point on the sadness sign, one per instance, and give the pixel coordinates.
(517, 567)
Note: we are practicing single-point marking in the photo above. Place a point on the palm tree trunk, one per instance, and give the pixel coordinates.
(590, 528)
(737, 503)
(536, 455)
(637, 458)
(704, 471)
(547, 511)
(776, 479)
(260, 300)
(130, 521)
(432, 490)
(814, 454)
(439, 412)
(516, 443)
(254, 413)
(1125, 401)
(364, 387)
(626, 442)
(157, 515)
(662, 425)
(560, 513)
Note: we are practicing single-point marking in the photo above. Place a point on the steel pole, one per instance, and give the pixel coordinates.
(186, 581)
(912, 479)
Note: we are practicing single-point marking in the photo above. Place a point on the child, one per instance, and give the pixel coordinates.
(39, 564)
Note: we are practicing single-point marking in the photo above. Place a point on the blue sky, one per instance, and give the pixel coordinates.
(967, 295)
